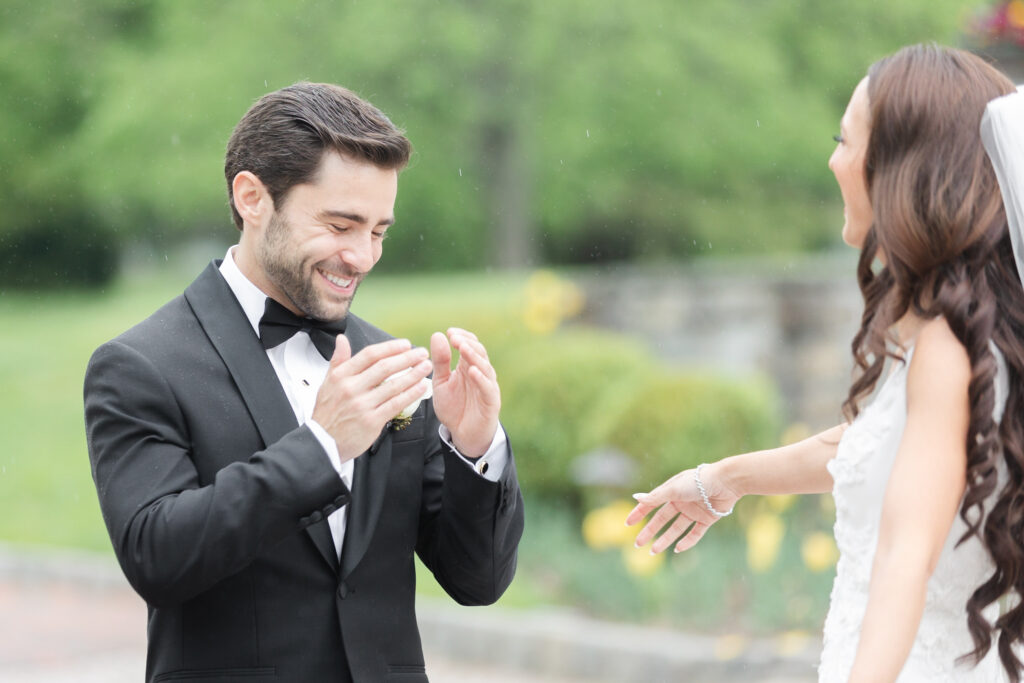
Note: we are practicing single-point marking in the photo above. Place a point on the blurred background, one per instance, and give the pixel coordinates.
(629, 202)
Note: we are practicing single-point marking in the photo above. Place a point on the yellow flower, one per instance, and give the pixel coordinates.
(640, 562)
(780, 504)
(819, 551)
(730, 647)
(542, 316)
(764, 538)
(572, 299)
(1015, 13)
(792, 643)
(548, 301)
(605, 527)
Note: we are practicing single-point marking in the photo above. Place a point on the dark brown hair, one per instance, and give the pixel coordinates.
(941, 237)
(283, 137)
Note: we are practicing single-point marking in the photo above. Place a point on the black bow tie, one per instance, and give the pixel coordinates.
(278, 325)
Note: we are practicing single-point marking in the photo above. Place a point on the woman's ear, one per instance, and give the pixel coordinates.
(252, 199)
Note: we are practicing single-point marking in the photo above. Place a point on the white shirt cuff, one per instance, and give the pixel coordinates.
(329, 444)
(490, 465)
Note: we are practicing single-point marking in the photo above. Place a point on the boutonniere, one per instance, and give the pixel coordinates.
(404, 418)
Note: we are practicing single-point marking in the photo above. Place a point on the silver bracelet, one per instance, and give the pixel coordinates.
(704, 495)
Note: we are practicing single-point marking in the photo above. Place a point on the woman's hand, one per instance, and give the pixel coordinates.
(682, 507)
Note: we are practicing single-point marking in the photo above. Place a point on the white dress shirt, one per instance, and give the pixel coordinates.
(301, 370)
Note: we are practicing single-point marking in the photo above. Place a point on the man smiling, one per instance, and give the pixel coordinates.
(259, 494)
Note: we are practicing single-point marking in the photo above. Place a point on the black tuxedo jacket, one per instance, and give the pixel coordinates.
(216, 503)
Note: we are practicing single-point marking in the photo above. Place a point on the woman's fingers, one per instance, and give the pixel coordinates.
(690, 540)
(660, 519)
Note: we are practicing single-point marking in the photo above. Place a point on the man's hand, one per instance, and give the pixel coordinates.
(466, 399)
(354, 402)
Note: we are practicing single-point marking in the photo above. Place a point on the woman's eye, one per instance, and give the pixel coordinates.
(838, 138)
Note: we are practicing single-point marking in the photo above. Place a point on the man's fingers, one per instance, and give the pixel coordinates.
(393, 404)
(408, 381)
(375, 352)
(476, 360)
(464, 341)
(441, 355)
(342, 351)
(459, 331)
(386, 368)
(489, 394)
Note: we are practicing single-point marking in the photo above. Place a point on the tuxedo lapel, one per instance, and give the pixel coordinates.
(369, 478)
(230, 333)
(368, 482)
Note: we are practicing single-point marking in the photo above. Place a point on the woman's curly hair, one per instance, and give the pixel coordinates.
(939, 246)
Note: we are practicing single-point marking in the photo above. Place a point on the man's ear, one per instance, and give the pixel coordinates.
(252, 199)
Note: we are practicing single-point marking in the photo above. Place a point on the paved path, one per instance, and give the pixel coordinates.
(55, 630)
(67, 617)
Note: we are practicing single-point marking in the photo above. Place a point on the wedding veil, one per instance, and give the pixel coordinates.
(1002, 133)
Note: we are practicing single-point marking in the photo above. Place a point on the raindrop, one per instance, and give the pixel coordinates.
(588, 132)
(757, 122)
(460, 172)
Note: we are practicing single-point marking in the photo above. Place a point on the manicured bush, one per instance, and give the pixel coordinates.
(670, 421)
(552, 387)
(58, 251)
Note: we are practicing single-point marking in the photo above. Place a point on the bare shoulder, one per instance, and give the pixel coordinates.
(940, 363)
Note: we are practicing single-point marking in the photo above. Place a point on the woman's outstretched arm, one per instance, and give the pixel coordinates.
(796, 468)
(921, 502)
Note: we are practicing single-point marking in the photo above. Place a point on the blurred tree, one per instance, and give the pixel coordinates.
(567, 131)
(50, 54)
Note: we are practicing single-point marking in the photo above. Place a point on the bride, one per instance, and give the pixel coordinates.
(928, 478)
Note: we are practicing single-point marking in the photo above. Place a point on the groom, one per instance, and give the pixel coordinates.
(261, 482)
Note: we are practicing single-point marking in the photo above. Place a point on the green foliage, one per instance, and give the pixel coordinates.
(47, 255)
(551, 387)
(672, 421)
(570, 131)
(709, 589)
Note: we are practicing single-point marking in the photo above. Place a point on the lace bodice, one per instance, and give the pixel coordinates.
(860, 471)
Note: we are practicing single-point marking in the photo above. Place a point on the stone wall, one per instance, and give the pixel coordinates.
(790, 319)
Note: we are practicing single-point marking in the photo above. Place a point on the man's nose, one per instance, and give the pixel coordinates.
(358, 253)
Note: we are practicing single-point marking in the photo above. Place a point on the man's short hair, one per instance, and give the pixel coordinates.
(283, 137)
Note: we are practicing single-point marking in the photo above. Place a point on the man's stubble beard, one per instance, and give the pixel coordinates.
(289, 275)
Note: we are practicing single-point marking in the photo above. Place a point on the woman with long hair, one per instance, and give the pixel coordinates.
(928, 478)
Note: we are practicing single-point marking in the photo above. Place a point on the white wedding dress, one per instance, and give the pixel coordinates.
(860, 471)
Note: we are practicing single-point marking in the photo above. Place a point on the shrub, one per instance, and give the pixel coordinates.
(672, 421)
(58, 251)
(551, 388)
